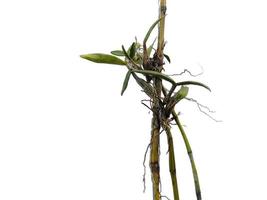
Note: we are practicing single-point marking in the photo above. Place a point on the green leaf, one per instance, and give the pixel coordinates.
(193, 83)
(117, 53)
(156, 74)
(132, 50)
(182, 93)
(139, 59)
(149, 50)
(125, 53)
(167, 57)
(148, 89)
(125, 82)
(129, 58)
(178, 96)
(151, 29)
(103, 58)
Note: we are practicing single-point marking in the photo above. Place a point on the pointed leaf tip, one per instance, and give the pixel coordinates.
(117, 53)
(82, 56)
(103, 58)
(151, 29)
(167, 57)
(125, 82)
(132, 50)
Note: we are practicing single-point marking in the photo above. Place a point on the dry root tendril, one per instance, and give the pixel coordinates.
(201, 106)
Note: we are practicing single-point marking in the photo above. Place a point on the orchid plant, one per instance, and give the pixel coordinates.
(145, 63)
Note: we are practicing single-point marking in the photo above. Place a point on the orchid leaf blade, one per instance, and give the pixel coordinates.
(193, 83)
(132, 50)
(103, 58)
(167, 57)
(126, 81)
(151, 29)
(156, 74)
(117, 53)
(182, 93)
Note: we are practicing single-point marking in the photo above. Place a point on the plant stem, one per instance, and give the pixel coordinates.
(190, 154)
(189, 150)
(154, 158)
(172, 166)
(162, 13)
(155, 133)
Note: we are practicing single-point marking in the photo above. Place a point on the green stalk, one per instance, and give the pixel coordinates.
(190, 154)
(172, 166)
(189, 150)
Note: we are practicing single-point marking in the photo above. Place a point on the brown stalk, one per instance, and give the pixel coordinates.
(155, 133)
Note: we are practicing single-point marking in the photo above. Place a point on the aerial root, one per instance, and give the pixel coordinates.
(189, 72)
(144, 165)
(201, 106)
(163, 196)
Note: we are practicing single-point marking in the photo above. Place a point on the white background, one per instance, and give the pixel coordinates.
(67, 134)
